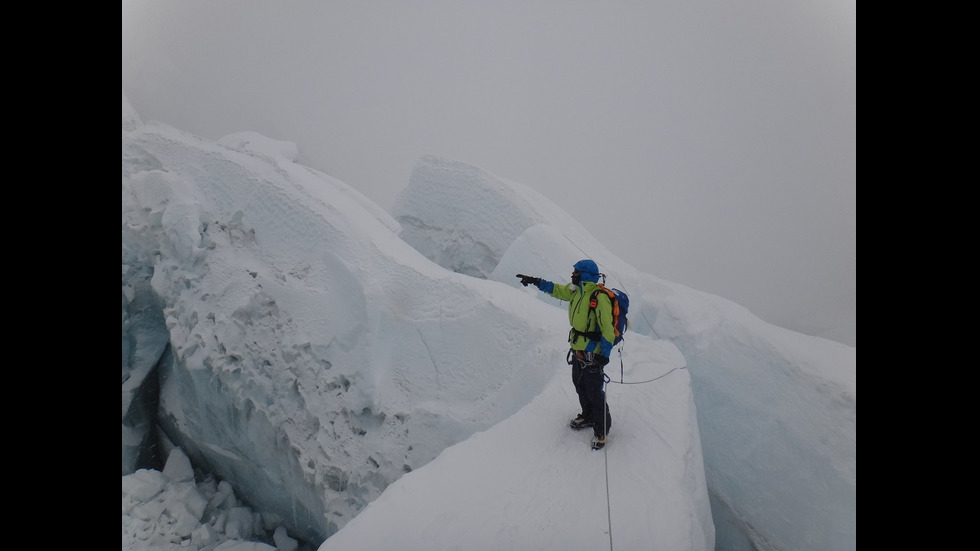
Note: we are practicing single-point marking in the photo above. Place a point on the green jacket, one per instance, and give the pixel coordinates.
(580, 319)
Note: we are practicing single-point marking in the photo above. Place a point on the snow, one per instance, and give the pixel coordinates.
(303, 370)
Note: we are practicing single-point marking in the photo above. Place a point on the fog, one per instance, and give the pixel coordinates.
(709, 144)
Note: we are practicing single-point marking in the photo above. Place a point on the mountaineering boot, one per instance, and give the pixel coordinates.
(580, 422)
(598, 442)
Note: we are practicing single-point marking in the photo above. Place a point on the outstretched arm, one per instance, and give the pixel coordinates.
(543, 285)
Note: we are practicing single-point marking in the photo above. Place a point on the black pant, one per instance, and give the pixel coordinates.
(589, 383)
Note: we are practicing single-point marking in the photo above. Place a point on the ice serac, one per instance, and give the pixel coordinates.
(256, 293)
(472, 235)
(780, 457)
(144, 340)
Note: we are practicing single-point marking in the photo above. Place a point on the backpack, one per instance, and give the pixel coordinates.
(620, 306)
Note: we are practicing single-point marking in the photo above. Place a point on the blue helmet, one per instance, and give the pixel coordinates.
(588, 269)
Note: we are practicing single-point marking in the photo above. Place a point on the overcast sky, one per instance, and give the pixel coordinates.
(725, 132)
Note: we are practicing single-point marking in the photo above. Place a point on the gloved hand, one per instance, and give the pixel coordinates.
(525, 279)
(600, 360)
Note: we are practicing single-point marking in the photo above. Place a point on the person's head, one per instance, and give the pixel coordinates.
(585, 270)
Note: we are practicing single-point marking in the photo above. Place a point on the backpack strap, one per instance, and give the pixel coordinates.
(596, 334)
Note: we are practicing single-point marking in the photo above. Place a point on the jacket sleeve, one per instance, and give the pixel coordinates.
(545, 286)
(604, 313)
(561, 292)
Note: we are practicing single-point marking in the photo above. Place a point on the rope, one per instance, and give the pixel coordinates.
(622, 368)
(605, 458)
(605, 454)
(647, 381)
(576, 246)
